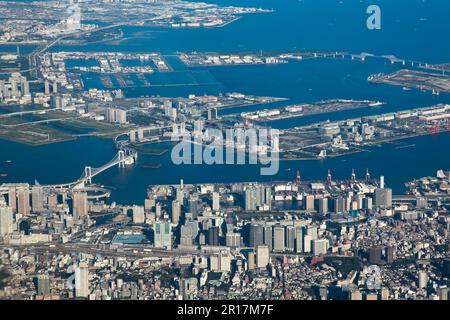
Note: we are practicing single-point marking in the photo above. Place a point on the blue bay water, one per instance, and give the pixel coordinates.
(64, 162)
(413, 29)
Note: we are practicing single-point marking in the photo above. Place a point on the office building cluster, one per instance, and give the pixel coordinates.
(350, 239)
(16, 89)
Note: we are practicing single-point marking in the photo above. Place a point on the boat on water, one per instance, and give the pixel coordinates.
(3, 175)
(407, 146)
(376, 104)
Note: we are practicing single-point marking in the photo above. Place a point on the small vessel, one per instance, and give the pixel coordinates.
(3, 175)
(8, 161)
(376, 104)
(323, 153)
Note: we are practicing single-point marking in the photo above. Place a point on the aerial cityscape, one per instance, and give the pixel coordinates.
(224, 150)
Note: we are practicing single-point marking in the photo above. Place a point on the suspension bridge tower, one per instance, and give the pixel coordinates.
(121, 155)
(88, 174)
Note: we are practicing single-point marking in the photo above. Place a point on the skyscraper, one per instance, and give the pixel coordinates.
(268, 236)
(262, 256)
(422, 279)
(162, 235)
(233, 239)
(14, 87)
(25, 87)
(298, 239)
(290, 238)
(309, 203)
(252, 198)
(323, 205)
(257, 196)
(138, 214)
(319, 246)
(23, 203)
(188, 233)
(80, 204)
(6, 221)
(421, 203)
(383, 197)
(115, 115)
(37, 198)
(12, 198)
(176, 211)
(180, 195)
(193, 207)
(215, 201)
(367, 203)
(213, 236)
(158, 210)
(307, 243)
(268, 197)
(251, 260)
(42, 283)
(311, 231)
(278, 238)
(47, 87)
(256, 235)
(82, 280)
(339, 205)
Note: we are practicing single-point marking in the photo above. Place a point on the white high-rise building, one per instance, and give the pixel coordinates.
(138, 214)
(258, 197)
(307, 243)
(382, 182)
(319, 246)
(220, 262)
(115, 115)
(82, 280)
(176, 211)
(422, 279)
(6, 220)
(262, 256)
(224, 261)
(215, 201)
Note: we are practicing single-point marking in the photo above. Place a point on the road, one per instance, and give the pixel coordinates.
(133, 252)
(21, 113)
